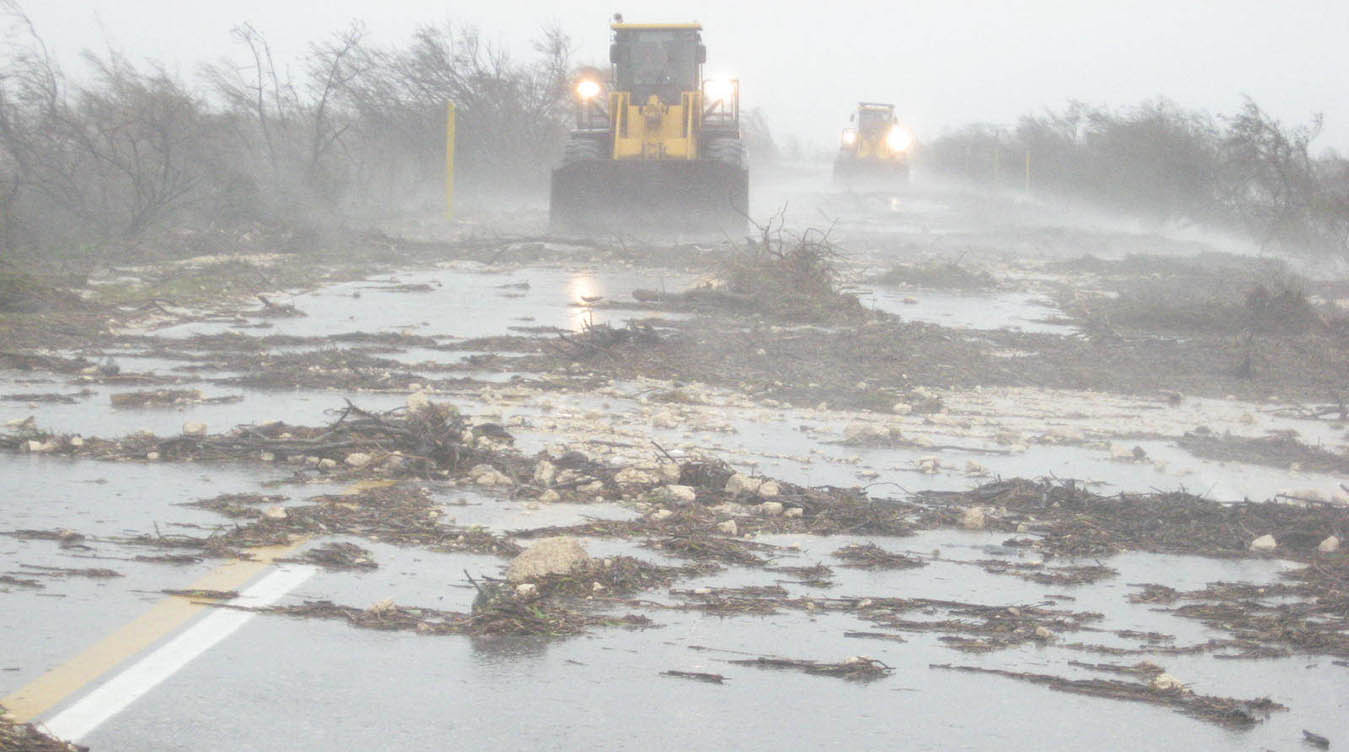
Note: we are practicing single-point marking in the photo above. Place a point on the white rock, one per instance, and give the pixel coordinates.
(550, 496)
(267, 457)
(274, 512)
(661, 514)
(929, 465)
(152, 456)
(793, 512)
(358, 459)
(740, 483)
(901, 408)
(975, 469)
(544, 473)
(526, 589)
(1121, 452)
(76, 441)
(547, 556)
(418, 401)
(635, 476)
(1043, 633)
(728, 527)
(859, 431)
(771, 508)
(598, 587)
(327, 464)
(769, 489)
(593, 487)
(670, 472)
(379, 607)
(1329, 546)
(1264, 543)
(194, 429)
(486, 475)
(1166, 682)
(974, 519)
(677, 494)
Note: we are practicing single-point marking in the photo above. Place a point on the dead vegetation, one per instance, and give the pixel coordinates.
(871, 556)
(1282, 451)
(27, 737)
(1224, 711)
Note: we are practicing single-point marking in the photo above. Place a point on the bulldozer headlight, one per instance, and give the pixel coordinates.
(588, 89)
(898, 139)
(849, 137)
(718, 90)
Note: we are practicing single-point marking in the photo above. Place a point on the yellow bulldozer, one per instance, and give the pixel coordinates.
(656, 146)
(875, 148)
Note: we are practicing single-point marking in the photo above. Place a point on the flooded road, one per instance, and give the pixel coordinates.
(404, 337)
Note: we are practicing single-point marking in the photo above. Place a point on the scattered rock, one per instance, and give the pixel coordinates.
(486, 475)
(1165, 682)
(794, 512)
(636, 476)
(728, 527)
(1329, 546)
(358, 459)
(526, 590)
(770, 508)
(547, 556)
(901, 408)
(194, 429)
(769, 489)
(544, 473)
(676, 494)
(550, 496)
(974, 519)
(1043, 633)
(661, 514)
(1264, 543)
(275, 512)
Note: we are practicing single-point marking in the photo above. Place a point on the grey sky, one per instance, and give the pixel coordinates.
(945, 62)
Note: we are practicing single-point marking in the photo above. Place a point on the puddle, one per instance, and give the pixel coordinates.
(1018, 311)
(465, 303)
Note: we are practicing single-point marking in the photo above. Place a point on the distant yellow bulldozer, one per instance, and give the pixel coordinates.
(875, 147)
(656, 146)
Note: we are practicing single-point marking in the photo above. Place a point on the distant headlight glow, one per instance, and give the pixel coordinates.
(849, 137)
(718, 90)
(588, 89)
(898, 139)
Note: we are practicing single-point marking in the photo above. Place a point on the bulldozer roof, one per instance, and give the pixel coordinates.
(640, 27)
(875, 106)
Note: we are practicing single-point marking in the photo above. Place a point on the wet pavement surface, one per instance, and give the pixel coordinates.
(281, 682)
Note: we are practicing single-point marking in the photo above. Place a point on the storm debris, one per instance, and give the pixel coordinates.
(855, 668)
(1224, 711)
(337, 555)
(871, 556)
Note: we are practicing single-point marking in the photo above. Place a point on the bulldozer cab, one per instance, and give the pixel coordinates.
(661, 60)
(872, 117)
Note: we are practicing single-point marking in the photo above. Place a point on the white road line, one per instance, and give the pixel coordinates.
(114, 695)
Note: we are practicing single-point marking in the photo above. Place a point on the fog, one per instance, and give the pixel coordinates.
(945, 63)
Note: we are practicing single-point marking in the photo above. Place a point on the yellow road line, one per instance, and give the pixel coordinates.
(162, 619)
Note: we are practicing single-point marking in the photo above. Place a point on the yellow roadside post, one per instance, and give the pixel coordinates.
(449, 160)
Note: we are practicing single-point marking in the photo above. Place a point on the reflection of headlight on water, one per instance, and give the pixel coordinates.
(583, 290)
(898, 139)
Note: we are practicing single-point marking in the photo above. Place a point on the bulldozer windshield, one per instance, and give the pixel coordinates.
(873, 119)
(662, 62)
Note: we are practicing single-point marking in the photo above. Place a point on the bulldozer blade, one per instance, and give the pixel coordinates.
(625, 196)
